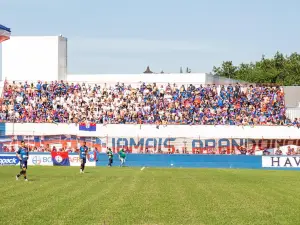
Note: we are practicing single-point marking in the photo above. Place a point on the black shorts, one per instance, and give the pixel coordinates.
(23, 164)
(83, 160)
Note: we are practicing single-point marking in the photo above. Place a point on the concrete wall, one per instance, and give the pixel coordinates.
(178, 78)
(62, 58)
(186, 161)
(293, 113)
(292, 96)
(196, 78)
(171, 161)
(115, 130)
(208, 161)
(34, 58)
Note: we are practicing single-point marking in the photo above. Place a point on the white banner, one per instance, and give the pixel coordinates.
(46, 160)
(40, 160)
(281, 161)
(75, 161)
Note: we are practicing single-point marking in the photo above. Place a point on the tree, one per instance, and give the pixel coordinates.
(226, 70)
(282, 70)
(181, 70)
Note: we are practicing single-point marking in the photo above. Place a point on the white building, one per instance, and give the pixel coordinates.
(35, 58)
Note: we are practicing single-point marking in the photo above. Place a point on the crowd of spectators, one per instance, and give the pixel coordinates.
(65, 102)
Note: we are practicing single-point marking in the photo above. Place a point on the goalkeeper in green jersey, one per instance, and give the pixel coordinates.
(122, 157)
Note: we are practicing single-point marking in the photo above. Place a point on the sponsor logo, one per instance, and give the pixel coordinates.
(74, 159)
(281, 161)
(40, 160)
(9, 160)
(37, 160)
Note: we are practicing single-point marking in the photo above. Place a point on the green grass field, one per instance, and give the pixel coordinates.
(60, 195)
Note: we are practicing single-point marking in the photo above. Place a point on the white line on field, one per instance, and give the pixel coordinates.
(143, 168)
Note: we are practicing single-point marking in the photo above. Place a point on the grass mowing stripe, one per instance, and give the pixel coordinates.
(33, 202)
(20, 184)
(121, 196)
(87, 202)
(60, 195)
(157, 197)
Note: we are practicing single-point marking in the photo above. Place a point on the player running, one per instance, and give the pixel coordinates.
(83, 151)
(110, 157)
(122, 157)
(23, 156)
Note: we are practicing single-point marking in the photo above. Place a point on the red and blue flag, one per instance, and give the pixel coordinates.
(4, 33)
(87, 126)
(60, 158)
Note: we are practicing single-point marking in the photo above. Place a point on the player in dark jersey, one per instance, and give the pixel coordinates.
(23, 156)
(83, 151)
(110, 157)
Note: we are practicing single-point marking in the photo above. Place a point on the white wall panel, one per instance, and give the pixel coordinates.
(195, 78)
(31, 58)
(202, 131)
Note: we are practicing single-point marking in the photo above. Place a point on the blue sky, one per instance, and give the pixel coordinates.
(125, 36)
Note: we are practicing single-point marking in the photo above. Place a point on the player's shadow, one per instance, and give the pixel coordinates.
(33, 180)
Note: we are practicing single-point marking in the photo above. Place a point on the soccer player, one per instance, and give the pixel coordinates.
(23, 156)
(122, 157)
(83, 151)
(110, 157)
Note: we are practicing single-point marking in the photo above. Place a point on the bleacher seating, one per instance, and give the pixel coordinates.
(67, 102)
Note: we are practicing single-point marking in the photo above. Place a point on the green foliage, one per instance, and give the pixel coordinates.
(282, 70)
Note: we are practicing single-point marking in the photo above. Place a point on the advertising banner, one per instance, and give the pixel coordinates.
(9, 160)
(40, 160)
(75, 161)
(281, 162)
(46, 160)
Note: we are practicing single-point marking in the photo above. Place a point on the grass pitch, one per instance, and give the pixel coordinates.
(60, 195)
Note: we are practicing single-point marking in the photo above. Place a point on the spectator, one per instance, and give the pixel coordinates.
(64, 102)
(266, 152)
(278, 152)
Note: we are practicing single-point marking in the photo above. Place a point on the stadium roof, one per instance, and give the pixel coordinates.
(4, 28)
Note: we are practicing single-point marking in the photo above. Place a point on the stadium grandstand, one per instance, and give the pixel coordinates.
(149, 98)
(170, 145)
(163, 124)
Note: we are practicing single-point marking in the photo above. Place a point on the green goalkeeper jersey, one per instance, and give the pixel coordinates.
(122, 154)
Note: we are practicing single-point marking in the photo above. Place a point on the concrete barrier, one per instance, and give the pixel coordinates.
(176, 161)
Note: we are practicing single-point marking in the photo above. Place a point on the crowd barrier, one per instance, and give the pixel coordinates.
(147, 130)
(165, 160)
